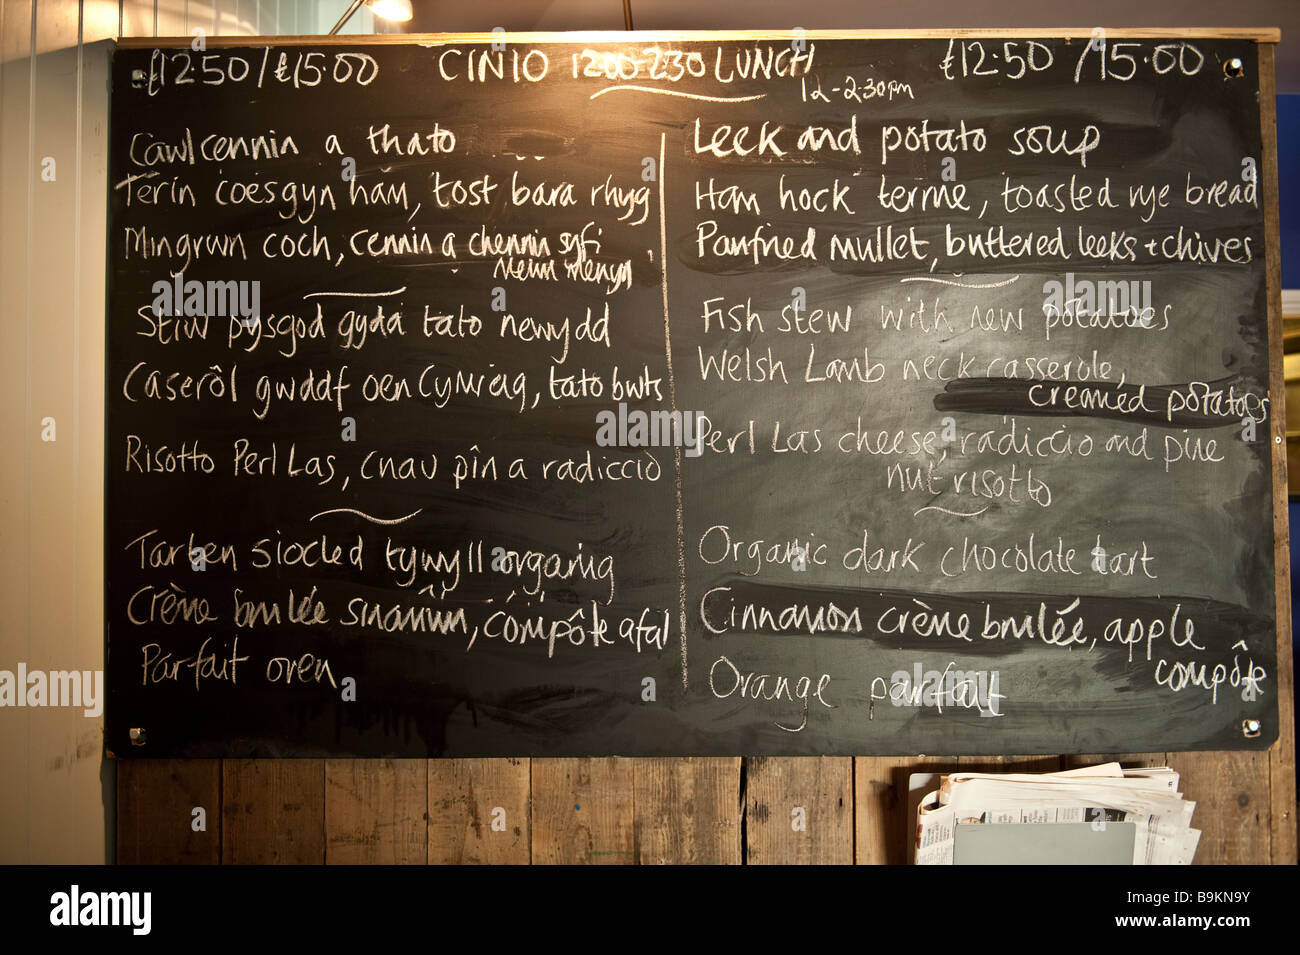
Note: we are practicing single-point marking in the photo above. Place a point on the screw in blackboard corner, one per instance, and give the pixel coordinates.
(1277, 439)
(137, 79)
(1251, 728)
(137, 736)
(1233, 68)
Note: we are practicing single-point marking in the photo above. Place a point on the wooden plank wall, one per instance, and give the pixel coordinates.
(756, 811)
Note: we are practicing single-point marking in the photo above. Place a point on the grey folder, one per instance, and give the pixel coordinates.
(1046, 843)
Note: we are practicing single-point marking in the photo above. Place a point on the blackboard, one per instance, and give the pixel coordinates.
(966, 339)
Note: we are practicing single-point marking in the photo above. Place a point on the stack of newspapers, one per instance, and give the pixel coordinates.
(1097, 814)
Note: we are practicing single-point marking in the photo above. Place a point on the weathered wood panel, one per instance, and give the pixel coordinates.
(273, 812)
(479, 811)
(583, 811)
(375, 811)
(799, 810)
(157, 822)
(687, 811)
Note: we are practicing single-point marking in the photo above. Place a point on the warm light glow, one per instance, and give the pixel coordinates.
(399, 10)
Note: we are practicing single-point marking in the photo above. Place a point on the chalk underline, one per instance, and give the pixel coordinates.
(372, 519)
(652, 89)
(396, 291)
(936, 507)
(928, 278)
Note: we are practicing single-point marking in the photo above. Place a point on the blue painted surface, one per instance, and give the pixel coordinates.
(1288, 165)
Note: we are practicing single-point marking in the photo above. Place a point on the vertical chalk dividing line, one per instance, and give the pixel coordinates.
(672, 405)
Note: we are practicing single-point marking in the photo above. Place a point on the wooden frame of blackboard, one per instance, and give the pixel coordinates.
(1282, 752)
(1282, 756)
